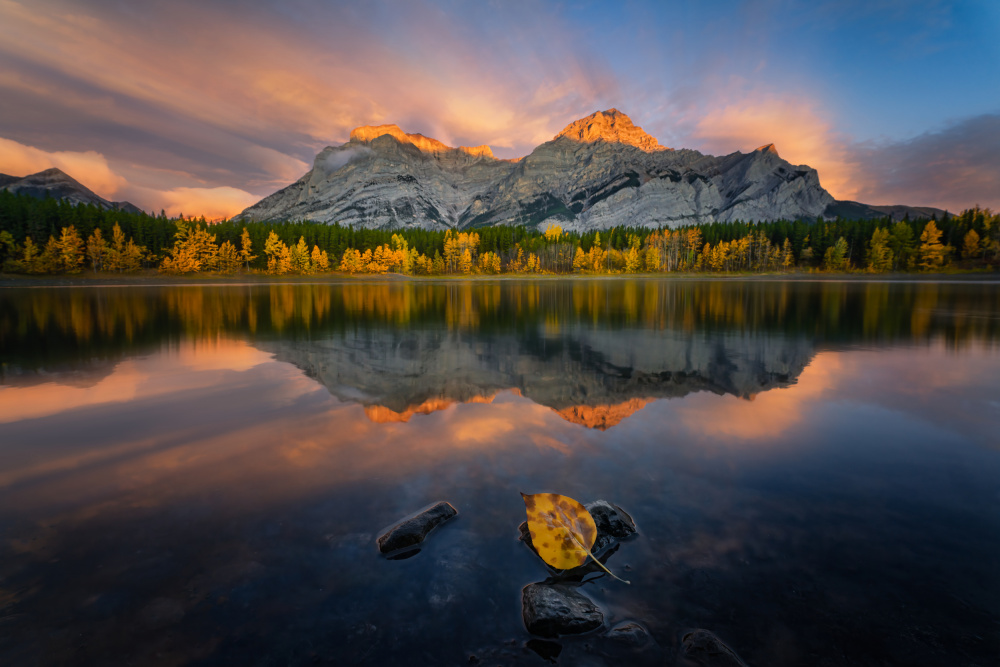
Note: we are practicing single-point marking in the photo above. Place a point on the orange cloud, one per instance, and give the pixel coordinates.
(280, 80)
(213, 203)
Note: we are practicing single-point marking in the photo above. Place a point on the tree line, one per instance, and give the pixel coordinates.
(52, 236)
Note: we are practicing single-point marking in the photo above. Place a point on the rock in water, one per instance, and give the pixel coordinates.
(701, 647)
(550, 610)
(613, 523)
(412, 530)
(629, 633)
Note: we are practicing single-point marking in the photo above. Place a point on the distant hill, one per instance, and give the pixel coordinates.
(601, 171)
(57, 184)
(852, 210)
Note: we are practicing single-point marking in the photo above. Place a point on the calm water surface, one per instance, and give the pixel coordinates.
(197, 474)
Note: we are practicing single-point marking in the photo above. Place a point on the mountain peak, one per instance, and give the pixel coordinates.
(611, 126)
(767, 148)
(57, 184)
(368, 133)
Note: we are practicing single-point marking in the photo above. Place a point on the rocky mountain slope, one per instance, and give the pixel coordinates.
(599, 172)
(57, 184)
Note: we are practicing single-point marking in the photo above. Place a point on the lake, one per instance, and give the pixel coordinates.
(196, 475)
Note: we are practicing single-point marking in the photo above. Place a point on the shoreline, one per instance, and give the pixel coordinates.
(161, 280)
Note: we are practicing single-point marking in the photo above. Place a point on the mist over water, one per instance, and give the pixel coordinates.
(197, 474)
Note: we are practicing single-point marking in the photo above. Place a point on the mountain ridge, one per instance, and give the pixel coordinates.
(600, 171)
(57, 184)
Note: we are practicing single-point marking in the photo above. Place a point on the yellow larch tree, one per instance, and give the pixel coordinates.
(932, 253)
(70, 250)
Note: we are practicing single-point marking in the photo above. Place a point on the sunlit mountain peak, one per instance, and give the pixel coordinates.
(611, 126)
(767, 148)
(368, 133)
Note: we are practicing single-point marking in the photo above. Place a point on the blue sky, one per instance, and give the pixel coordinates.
(205, 106)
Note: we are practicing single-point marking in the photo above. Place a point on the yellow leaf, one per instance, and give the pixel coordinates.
(562, 530)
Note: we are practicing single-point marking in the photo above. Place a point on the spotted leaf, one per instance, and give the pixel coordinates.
(562, 529)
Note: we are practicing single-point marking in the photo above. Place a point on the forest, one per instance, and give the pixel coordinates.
(49, 236)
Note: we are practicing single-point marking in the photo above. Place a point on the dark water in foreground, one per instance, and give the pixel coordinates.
(196, 475)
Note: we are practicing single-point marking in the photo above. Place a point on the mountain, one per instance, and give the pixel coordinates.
(857, 211)
(598, 172)
(57, 184)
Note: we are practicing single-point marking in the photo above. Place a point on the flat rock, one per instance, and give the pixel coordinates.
(412, 530)
(701, 647)
(550, 610)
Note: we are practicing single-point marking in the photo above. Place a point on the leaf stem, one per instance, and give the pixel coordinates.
(599, 563)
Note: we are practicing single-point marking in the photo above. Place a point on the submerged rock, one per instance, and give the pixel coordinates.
(703, 648)
(412, 530)
(630, 633)
(613, 523)
(550, 610)
(544, 649)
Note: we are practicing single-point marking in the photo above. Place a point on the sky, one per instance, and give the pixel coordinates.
(203, 107)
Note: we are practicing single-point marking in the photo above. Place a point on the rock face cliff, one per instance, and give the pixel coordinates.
(599, 172)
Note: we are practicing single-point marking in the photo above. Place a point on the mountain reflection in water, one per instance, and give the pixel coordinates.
(196, 474)
(594, 351)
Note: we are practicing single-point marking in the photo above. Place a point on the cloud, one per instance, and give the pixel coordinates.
(289, 86)
(337, 159)
(213, 203)
(953, 168)
(243, 95)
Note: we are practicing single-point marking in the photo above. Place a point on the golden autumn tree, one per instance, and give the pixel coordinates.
(489, 262)
(133, 257)
(50, 261)
(787, 255)
(299, 257)
(29, 256)
(246, 245)
(931, 253)
(70, 250)
(835, 258)
(115, 260)
(460, 251)
(971, 245)
(229, 258)
(880, 255)
(194, 250)
(97, 249)
(351, 262)
(279, 260)
(319, 259)
(633, 260)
